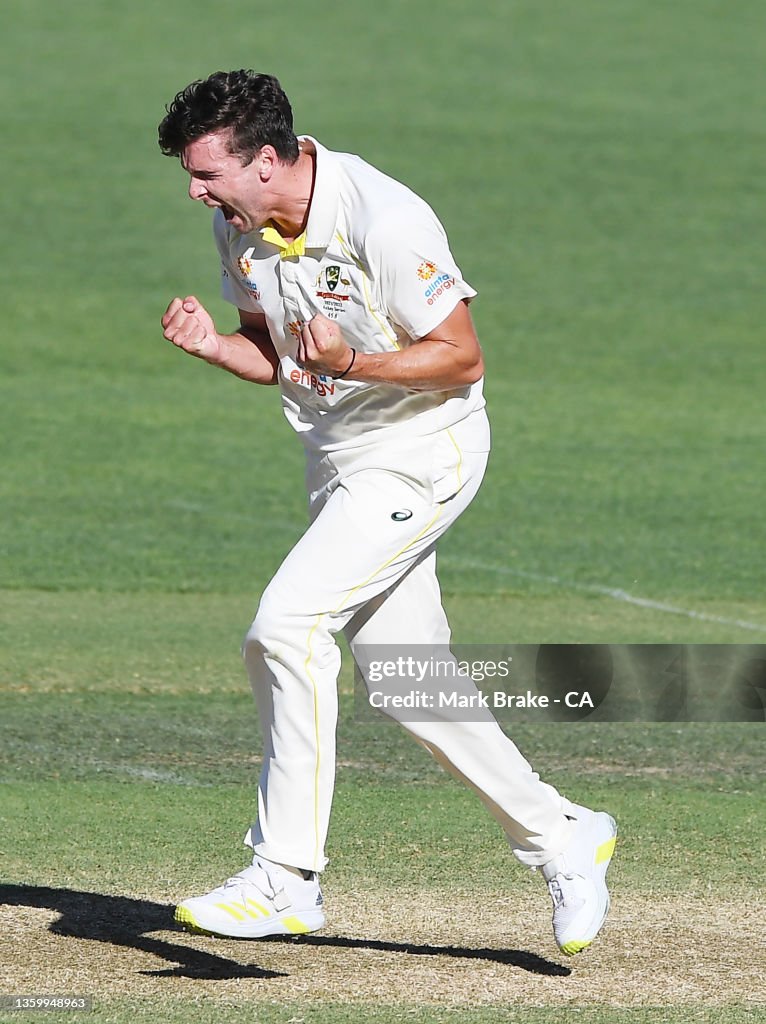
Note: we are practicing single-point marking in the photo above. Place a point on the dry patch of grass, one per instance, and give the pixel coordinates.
(392, 948)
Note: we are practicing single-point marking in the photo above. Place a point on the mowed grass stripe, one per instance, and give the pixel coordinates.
(175, 1010)
(189, 643)
(126, 837)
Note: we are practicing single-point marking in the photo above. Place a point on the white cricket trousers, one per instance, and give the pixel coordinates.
(367, 565)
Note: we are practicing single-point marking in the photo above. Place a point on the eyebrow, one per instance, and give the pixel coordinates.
(205, 175)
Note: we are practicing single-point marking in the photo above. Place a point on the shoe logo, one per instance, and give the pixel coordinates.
(319, 899)
(401, 516)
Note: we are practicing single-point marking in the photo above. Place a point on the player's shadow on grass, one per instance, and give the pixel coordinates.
(510, 957)
(123, 921)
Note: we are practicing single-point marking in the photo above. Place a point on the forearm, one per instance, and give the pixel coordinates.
(446, 358)
(249, 355)
(425, 366)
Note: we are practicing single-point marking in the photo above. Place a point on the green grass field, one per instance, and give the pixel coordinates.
(598, 167)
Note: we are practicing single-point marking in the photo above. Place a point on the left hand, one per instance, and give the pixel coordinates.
(322, 347)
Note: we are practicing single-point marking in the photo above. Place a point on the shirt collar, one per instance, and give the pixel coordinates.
(323, 211)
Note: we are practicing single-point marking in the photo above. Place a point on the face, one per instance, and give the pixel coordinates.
(218, 179)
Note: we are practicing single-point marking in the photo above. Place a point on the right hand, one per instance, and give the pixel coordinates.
(189, 326)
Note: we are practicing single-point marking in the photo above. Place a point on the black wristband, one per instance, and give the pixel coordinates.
(348, 368)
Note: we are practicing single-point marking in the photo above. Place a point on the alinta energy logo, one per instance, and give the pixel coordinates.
(426, 270)
(436, 288)
(320, 383)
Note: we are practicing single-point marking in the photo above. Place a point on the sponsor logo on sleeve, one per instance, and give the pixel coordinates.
(246, 267)
(438, 287)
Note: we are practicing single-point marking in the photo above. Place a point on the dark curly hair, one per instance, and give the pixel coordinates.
(254, 107)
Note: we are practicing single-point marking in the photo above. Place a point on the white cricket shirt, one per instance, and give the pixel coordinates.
(373, 257)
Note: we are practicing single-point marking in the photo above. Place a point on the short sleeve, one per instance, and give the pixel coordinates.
(418, 282)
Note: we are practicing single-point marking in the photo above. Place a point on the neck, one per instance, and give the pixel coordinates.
(293, 202)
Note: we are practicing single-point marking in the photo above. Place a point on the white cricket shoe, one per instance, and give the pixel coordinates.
(264, 899)
(577, 881)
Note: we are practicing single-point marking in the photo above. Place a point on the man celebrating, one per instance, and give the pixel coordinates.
(350, 300)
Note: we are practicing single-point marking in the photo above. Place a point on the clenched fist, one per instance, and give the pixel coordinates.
(322, 347)
(188, 325)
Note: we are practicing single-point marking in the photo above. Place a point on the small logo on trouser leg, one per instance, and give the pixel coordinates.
(399, 517)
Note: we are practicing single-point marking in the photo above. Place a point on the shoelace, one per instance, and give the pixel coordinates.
(554, 888)
(562, 892)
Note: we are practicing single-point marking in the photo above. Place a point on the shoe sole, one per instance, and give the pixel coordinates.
(602, 860)
(290, 924)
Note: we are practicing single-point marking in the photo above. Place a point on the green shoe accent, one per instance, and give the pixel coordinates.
(184, 917)
(570, 948)
(606, 850)
(295, 925)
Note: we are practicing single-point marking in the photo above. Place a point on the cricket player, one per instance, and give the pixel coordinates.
(350, 301)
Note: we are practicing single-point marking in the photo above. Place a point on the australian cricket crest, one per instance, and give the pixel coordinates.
(332, 276)
(334, 294)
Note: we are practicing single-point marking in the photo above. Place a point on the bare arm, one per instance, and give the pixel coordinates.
(447, 357)
(247, 353)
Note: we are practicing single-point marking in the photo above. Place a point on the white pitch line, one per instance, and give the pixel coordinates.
(618, 595)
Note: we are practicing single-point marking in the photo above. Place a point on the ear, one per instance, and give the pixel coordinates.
(267, 162)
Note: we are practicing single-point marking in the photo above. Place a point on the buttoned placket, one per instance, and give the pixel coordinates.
(296, 276)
